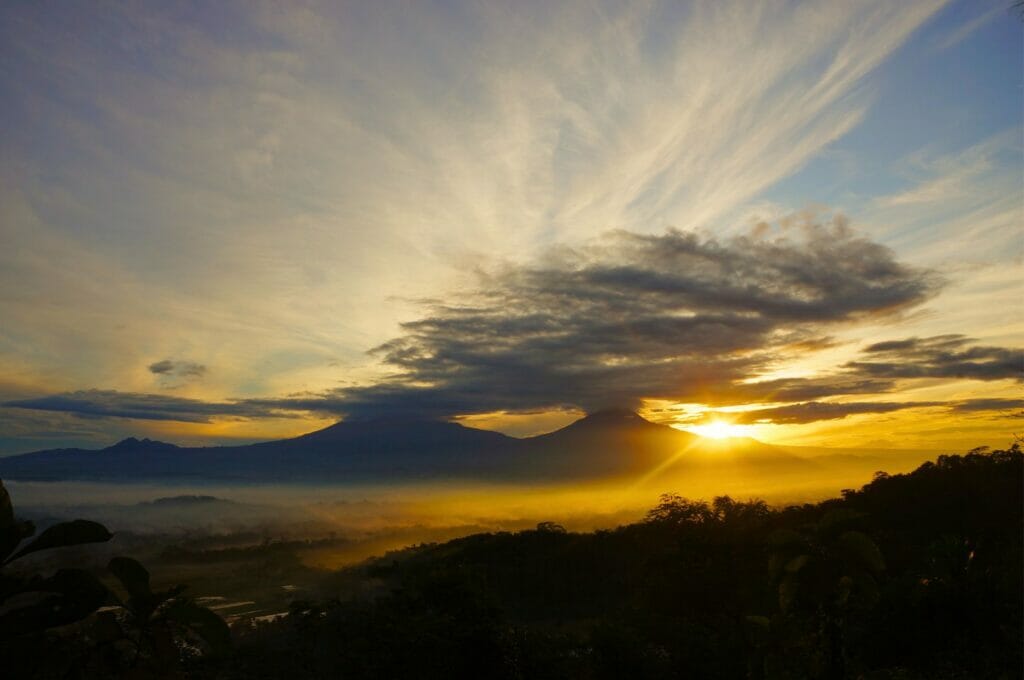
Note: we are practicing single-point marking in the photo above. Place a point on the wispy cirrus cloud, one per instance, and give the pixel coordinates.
(964, 31)
(945, 179)
(958, 206)
(333, 156)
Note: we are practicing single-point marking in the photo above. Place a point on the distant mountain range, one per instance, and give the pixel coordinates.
(607, 443)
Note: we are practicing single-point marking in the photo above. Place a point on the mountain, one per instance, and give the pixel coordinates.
(374, 450)
(183, 501)
(604, 443)
(615, 442)
(127, 459)
(360, 450)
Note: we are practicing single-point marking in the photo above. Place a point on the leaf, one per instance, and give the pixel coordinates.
(203, 622)
(859, 548)
(28, 615)
(787, 593)
(6, 509)
(78, 585)
(843, 589)
(781, 538)
(64, 534)
(796, 564)
(144, 604)
(762, 622)
(758, 629)
(12, 532)
(775, 564)
(106, 628)
(133, 576)
(11, 535)
(140, 673)
(169, 594)
(164, 649)
(836, 520)
(867, 591)
(69, 595)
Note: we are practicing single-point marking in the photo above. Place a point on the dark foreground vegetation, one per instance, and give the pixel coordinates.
(912, 576)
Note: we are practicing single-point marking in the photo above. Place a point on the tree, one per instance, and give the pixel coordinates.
(825, 577)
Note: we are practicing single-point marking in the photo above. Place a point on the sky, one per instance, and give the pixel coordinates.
(243, 221)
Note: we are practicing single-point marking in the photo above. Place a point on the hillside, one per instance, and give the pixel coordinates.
(913, 576)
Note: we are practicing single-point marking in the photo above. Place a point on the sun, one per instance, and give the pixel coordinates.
(718, 429)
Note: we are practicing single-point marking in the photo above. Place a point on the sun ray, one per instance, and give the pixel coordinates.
(718, 429)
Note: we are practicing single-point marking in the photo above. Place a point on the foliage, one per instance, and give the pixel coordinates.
(150, 634)
(57, 626)
(914, 576)
(31, 604)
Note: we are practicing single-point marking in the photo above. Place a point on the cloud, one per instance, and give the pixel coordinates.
(801, 389)
(809, 412)
(633, 316)
(814, 411)
(940, 356)
(959, 204)
(969, 175)
(111, 403)
(677, 316)
(1003, 408)
(965, 30)
(177, 369)
(161, 367)
(944, 188)
(189, 171)
(180, 163)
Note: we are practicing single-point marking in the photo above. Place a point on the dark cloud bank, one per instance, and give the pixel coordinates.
(809, 412)
(942, 356)
(110, 403)
(674, 316)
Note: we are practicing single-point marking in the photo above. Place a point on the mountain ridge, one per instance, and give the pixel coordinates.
(603, 443)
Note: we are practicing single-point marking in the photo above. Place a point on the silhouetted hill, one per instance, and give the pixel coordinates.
(187, 501)
(913, 576)
(394, 448)
(603, 443)
(127, 459)
(606, 443)
(621, 441)
(133, 444)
